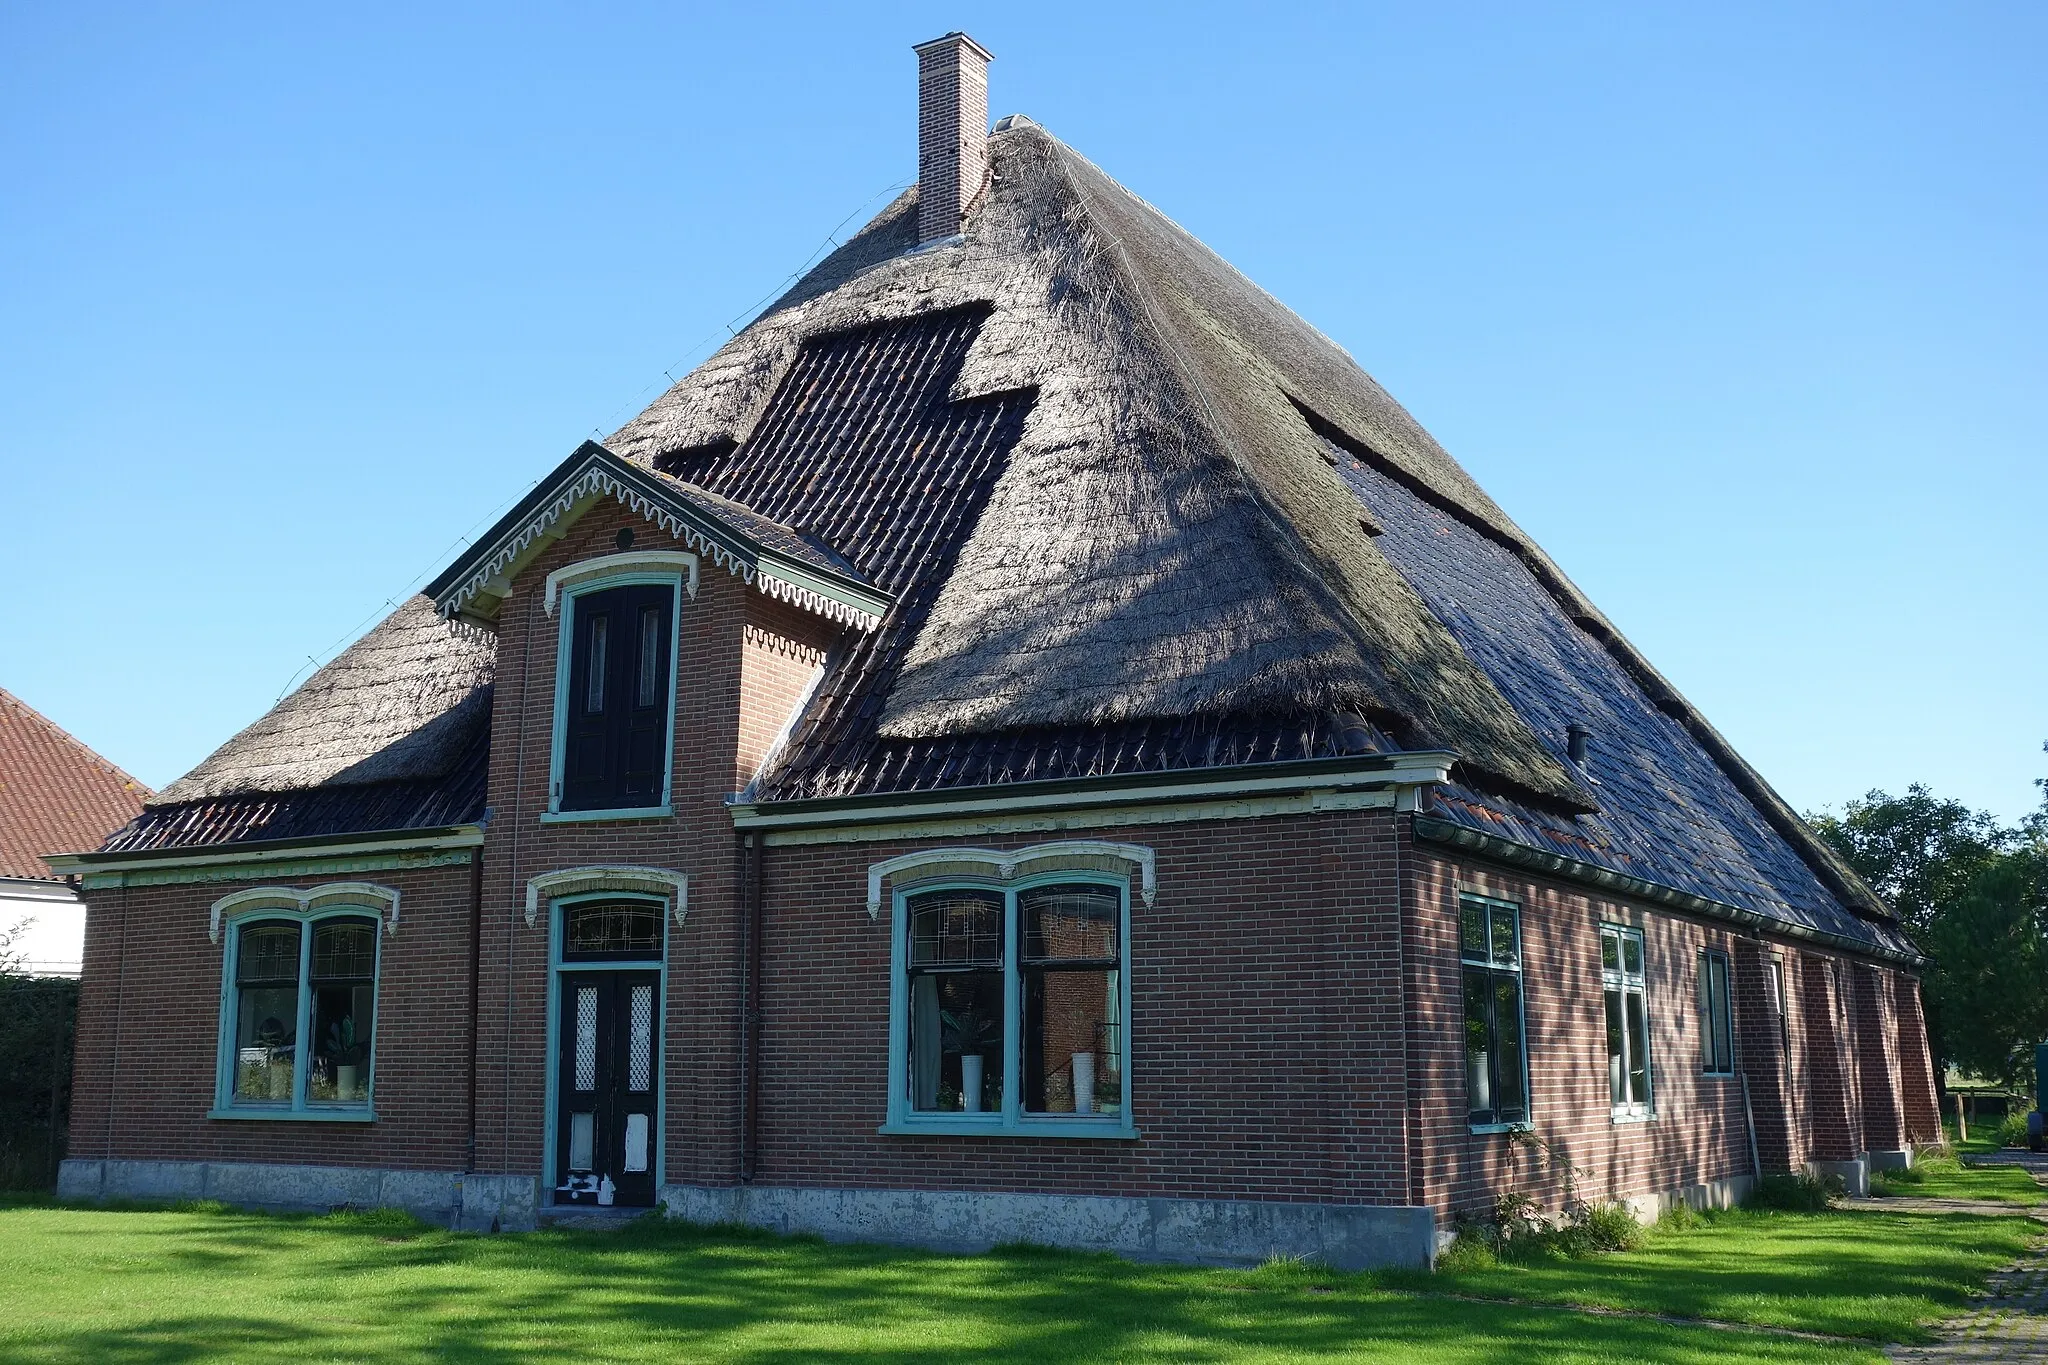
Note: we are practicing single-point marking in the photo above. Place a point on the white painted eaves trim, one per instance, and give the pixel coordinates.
(763, 569)
(459, 836)
(1407, 770)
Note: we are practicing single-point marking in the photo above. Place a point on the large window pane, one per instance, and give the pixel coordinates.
(1073, 1054)
(1638, 1050)
(956, 1002)
(266, 1011)
(1617, 1051)
(1510, 1106)
(1479, 1043)
(343, 983)
(956, 1041)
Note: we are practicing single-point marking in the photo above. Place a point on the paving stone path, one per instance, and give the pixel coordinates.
(2010, 1319)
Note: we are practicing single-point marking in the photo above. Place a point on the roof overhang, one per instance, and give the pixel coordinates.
(1048, 799)
(472, 588)
(256, 852)
(1448, 834)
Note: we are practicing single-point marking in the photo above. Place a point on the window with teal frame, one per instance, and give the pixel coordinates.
(298, 1015)
(1010, 1008)
(1496, 1058)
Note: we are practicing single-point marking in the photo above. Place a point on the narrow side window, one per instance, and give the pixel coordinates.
(1490, 954)
(1717, 1032)
(1628, 1025)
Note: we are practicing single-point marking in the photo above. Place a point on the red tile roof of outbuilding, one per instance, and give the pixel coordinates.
(56, 795)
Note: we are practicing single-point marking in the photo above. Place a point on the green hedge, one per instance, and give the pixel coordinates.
(38, 1015)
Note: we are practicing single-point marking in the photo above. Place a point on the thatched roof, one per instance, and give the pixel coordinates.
(1167, 538)
(403, 703)
(1113, 493)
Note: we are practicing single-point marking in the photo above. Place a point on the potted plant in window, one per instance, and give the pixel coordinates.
(348, 1054)
(971, 1034)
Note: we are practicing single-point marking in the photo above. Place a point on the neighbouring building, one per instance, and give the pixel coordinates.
(1027, 741)
(55, 795)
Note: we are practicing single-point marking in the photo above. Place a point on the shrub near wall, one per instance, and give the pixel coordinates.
(37, 1018)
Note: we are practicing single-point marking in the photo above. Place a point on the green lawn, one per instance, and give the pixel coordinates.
(1945, 1178)
(1851, 1272)
(208, 1283)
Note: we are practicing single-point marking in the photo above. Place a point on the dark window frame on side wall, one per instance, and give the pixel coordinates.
(1490, 955)
(1717, 1014)
(1625, 978)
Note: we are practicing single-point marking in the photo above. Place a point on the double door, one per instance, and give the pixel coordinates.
(607, 1070)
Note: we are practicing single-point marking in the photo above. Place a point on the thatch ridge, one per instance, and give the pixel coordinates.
(404, 702)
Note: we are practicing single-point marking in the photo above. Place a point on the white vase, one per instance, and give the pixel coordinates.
(280, 1080)
(345, 1078)
(970, 1082)
(1084, 1082)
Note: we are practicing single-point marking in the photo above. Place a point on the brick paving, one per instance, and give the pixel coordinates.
(2009, 1322)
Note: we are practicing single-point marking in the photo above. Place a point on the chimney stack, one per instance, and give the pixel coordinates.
(952, 132)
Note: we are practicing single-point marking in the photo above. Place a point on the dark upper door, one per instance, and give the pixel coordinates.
(607, 1064)
(615, 749)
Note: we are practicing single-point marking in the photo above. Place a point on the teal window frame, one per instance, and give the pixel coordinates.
(1717, 1028)
(1495, 963)
(557, 969)
(565, 637)
(1011, 1120)
(1628, 983)
(299, 1109)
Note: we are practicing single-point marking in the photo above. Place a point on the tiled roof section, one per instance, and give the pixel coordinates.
(769, 534)
(430, 803)
(1669, 814)
(56, 795)
(861, 448)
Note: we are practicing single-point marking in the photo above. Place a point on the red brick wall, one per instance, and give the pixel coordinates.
(742, 661)
(1265, 1044)
(1698, 1134)
(1916, 1070)
(149, 1026)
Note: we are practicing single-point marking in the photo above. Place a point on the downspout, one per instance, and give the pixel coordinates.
(476, 955)
(751, 858)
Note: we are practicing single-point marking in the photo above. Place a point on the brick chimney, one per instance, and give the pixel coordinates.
(952, 132)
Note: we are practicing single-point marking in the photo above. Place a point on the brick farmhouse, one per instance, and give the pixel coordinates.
(1027, 741)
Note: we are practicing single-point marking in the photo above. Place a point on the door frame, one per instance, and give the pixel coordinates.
(557, 969)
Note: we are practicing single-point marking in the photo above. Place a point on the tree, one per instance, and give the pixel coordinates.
(1974, 895)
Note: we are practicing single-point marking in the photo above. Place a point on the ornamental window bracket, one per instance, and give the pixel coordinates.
(383, 899)
(1007, 865)
(662, 883)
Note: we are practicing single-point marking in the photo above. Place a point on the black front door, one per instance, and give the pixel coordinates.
(608, 1061)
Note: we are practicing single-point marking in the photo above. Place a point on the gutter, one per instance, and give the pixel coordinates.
(1435, 831)
(1369, 772)
(259, 851)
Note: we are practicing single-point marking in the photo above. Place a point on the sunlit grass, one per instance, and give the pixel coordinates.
(193, 1284)
(1855, 1272)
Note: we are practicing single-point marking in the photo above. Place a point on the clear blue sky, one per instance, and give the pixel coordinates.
(1738, 308)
